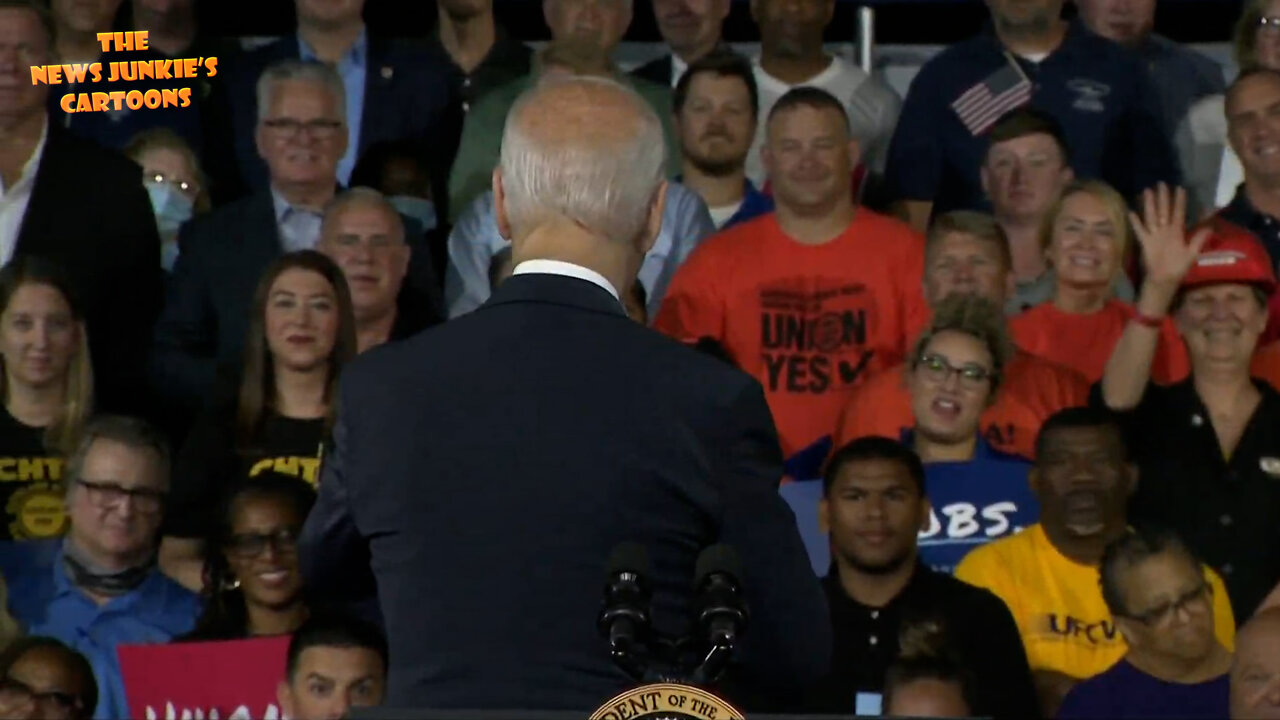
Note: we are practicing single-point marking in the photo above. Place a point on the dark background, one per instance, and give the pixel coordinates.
(897, 21)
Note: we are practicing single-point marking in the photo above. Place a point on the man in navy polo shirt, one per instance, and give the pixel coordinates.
(1098, 90)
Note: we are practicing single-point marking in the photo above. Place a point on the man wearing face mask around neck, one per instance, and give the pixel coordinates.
(104, 588)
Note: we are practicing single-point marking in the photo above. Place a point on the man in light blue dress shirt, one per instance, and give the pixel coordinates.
(475, 241)
(351, 67)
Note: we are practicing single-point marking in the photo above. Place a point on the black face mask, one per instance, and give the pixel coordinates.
(109, 584)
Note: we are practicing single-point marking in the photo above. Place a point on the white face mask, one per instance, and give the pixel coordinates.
(420, 209)
(171, 206)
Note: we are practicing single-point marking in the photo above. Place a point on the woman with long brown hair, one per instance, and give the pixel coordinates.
(47, 388)
(301, 334)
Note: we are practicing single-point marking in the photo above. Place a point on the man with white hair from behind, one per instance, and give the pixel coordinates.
(476, 245)
(581, 431)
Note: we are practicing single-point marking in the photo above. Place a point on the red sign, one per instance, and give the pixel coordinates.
(234, 679)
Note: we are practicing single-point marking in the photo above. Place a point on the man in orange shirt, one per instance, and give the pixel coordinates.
(967, 252)
(812, 298)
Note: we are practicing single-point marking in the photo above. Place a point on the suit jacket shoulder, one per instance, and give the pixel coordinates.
(656, 71)
(90, 164)
(247, 221)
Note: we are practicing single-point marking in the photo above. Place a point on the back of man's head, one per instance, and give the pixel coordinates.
(585, 152)
(1255, 669)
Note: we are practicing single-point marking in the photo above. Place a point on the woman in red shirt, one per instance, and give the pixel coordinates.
(1085, 238)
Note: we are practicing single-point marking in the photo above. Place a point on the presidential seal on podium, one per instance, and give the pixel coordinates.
(667, 701)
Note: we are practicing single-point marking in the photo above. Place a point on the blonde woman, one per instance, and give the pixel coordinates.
(1086, 238)
(47, 388)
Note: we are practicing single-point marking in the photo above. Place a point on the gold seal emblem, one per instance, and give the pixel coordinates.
(667, 701)
(37, 512)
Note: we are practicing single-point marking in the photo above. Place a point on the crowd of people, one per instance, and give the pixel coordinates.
(1018, 333)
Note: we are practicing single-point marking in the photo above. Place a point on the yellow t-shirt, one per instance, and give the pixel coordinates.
(1057, 603)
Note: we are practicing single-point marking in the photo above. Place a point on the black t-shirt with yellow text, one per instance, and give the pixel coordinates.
(30, 483)
(210, 465)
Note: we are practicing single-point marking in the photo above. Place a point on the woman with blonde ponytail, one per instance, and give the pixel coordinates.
(47, 388)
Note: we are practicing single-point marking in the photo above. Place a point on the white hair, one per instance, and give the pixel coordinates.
(367, 197)
(608, 187)
(304, 71)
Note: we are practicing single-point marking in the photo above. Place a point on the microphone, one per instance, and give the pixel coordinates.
(722, 612)
(624, 620)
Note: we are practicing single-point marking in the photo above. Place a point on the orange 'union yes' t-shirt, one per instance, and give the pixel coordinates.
(810, 322)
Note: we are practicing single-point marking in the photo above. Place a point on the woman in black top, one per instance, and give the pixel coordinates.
(252, 583)
(301, 333)
(47, 390)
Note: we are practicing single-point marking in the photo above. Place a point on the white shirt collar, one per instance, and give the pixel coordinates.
(31, 166)
(567, 269)
(678, 67)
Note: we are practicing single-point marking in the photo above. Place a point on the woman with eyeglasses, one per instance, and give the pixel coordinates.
(977, 494)
(1086, 237)
(301, 334)
(40, 678)
(252, 583)
(47, 385)
(174, 181)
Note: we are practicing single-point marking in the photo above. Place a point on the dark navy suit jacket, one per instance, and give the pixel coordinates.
(486, 468)
(406, 98)
(90, 214)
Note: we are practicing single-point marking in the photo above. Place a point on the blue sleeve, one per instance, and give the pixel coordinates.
(473, 242)
(913, 170)
(688, 222)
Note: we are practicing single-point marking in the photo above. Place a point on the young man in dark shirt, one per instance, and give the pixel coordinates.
(873, 506)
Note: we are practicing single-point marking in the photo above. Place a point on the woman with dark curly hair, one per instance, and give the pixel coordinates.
(252, 584)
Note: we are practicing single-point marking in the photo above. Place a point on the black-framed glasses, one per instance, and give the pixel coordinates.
(61, 701)
(109, 494)
(284, 540)
(937, 369)
(1161, 613)
(314, 128)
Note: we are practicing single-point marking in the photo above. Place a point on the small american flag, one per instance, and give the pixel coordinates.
(982, 105)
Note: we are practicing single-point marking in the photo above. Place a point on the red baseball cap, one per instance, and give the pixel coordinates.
(1232, 255)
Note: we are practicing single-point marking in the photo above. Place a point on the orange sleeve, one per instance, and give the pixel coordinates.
(1266, 364)
(1170, 364)
(875, 408)
(1067, 388)
(915, 311)
(694, 306)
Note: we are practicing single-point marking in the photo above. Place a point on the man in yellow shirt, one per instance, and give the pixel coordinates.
(1048, 573)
